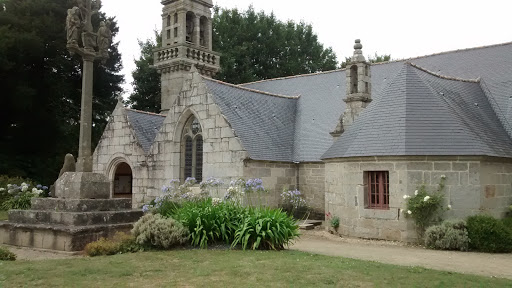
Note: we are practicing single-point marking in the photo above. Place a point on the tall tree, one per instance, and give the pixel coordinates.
(257, 46)
(41, 88)
(146, 80)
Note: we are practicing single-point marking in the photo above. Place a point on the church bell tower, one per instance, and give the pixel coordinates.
(359, 89)
(186, 42)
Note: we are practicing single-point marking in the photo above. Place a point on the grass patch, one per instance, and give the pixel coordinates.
(219, 268)
(3, 215)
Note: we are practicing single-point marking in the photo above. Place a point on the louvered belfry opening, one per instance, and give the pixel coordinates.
(192, 150)
(378, 189)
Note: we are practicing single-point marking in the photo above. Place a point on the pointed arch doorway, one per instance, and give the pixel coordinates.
(123, 181)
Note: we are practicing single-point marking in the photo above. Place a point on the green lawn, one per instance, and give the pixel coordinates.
(3, 215)
(218, 268)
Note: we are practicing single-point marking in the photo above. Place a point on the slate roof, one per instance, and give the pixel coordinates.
(419, 113)
(264, 123)
(146, 125)
(321, 103)
(296, 129)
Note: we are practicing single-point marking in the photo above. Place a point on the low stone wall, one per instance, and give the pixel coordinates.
(473, 185)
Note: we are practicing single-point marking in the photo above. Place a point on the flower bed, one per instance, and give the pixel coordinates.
(227, 220)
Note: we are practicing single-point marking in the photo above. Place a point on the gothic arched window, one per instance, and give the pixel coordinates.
(192, 150)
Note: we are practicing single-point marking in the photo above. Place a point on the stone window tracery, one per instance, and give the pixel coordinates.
(192, 150)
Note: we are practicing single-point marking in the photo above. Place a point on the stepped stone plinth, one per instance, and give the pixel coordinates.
(71, 221)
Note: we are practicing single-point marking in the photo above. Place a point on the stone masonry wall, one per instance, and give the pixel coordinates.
(223, 154)
(312, 186)
(118, 144)
(496, 188)
(276, 176)
(473, 185)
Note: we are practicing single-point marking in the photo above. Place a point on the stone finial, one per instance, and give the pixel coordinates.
(358, 52)
(358, 45)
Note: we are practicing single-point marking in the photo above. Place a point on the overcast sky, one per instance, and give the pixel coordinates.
(402, 28)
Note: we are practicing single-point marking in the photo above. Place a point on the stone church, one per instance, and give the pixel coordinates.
(354, 141)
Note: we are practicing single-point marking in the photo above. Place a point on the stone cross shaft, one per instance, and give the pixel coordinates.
(79, 19)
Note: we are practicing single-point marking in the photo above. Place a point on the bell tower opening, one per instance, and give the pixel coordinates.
(190, 26)
(353, 79)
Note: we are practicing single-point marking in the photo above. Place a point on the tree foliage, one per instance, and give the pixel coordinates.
(257, 46)
(146, 80)
(41, 88)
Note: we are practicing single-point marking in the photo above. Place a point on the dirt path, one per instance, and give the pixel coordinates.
(321, 242)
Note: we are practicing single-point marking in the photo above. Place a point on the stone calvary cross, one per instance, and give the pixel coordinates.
(91, 46)
(94, 47)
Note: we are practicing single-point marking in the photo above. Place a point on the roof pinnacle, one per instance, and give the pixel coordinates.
(358, 52)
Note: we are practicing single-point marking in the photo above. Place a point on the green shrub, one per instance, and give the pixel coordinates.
(449, 235)
(17, 193)
(4, 195)
(425, 208)
(21, 202)
(6, 255)
(155, 231)
(257, 228)
(488, 234)
(120, 243)
(507, 222)
(265, 228)
(335, 222)
(208, 222)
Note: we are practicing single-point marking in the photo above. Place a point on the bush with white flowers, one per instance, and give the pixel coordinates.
(19, 196)
(425, 208)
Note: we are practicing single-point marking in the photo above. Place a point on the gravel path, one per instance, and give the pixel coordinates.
(321, 242)
(35, 254)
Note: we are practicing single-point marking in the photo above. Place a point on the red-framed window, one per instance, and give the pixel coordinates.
(377, 189)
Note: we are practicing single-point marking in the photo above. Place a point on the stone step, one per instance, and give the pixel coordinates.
(81, 205)
(74, 218)
(313, 222)
(306, 226)
(57, 237)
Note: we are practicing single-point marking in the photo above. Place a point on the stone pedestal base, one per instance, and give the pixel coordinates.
(57, 237)
(67, 224)
(82, 185)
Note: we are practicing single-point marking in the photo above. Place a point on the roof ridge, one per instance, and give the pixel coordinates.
(444, 52)
(442, 76)
(295, 76)
(382, 63)
(251, 90)
(144, 112)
